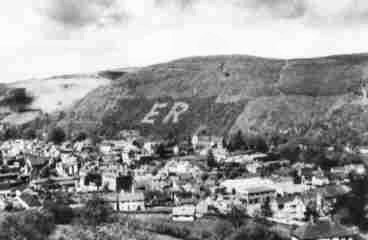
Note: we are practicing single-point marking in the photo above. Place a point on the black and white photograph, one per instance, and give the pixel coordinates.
(184, 120)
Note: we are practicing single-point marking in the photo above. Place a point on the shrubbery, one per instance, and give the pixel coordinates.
(56, 135)
(96, 212)
(62, 213)
(29, 225)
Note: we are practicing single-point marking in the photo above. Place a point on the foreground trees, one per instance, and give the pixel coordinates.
(95, 212)
(56, 135)
(239, 141)
(29, 225)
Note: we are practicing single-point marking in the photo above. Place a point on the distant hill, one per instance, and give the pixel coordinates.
(228, 93)
(217, 94)
(50, 95)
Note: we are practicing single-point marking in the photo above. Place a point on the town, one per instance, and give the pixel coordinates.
(199, 177)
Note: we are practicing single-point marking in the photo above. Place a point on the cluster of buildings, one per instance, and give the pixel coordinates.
(132, 177)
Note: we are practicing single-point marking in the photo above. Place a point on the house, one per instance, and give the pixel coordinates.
(346, 169)
(184, 213)
(3, 203)
(69, 165)
(251, 190)
(288, 208)
(323, 230)
(244, 157)
(36, 162)
(29, 200)
(126, 201)
(116, 181)
(131, 201)
(330, 195)
(286, 186)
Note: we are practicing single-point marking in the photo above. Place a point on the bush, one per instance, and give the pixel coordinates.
(222, 230)
(80, 136)
(56, 135)
(29, 133)
(254, 231)
(96, 212)
(62, 213)
(10, 132)
(30, 225)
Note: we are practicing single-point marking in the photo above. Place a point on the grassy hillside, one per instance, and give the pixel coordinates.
(57, 93)
(227, 93)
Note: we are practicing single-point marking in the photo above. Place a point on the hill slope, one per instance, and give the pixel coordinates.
(226, 93)
(23, 101)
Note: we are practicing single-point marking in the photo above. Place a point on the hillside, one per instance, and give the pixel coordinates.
(57, 93)
(227, 93)
(23, 101)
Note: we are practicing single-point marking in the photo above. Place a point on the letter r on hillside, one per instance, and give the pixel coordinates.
(148, 119)
(178, 109)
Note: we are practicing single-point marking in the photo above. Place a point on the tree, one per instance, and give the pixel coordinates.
(237, 142)
(63, 214)
(257, 143)
(29, 133)
(222, 230)
(160, 150)
(311, 211)
(266, 210)
(29, 225)
(80, 136)
(96, 212)
(297, 179)
(236, 216)
(254, 231)
(56, 135)
(358, 200)
(211, 161)
(59, 208)
(10, 132)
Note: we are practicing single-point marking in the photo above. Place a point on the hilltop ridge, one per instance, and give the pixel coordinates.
(227, 93)
(221, 94)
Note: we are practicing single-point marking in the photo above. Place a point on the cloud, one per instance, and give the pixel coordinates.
(81, 13)
(311, 11)
(181, 4)
(47, 37)
(76, 14)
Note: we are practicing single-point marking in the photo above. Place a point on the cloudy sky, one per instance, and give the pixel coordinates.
(47, 37)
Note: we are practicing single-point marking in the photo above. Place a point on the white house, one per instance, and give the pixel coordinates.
(28, 200)
(126, 201)
(288, 209)
(252, 192)
(184, 213)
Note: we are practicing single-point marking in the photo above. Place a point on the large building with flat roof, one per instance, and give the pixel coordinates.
(251, 190)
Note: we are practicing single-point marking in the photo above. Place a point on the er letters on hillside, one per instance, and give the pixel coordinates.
(176, 110)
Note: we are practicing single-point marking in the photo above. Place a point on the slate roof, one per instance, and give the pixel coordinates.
(285, 199)
(334, 191)
(322, 229)
(37, 160)
(125, 197)
(30, 199)
(260, 189)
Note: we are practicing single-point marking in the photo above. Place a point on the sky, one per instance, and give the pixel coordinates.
(50, 37)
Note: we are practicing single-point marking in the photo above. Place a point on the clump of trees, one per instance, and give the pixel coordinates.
(96, 212)
(56, 135)
(356, 202)
(239, 141)
(29, 225)
(254, 231)
(59, 207)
